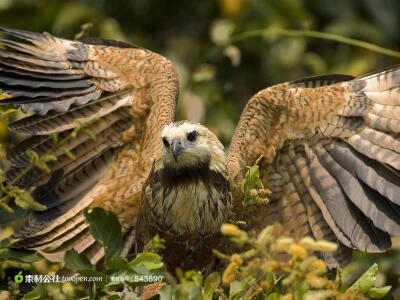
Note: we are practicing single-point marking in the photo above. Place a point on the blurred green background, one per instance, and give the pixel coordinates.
(216, 80)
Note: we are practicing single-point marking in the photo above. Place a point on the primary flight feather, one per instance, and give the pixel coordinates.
(330, 147)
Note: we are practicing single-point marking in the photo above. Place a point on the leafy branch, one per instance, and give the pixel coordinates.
(255, 271)
(253, 188)
(227, 47)
(312, 34)
(22, 197)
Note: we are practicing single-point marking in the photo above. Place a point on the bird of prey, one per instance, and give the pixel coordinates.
(330, 147)
(186, 195)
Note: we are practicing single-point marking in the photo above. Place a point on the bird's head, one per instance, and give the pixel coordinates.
(188, 145)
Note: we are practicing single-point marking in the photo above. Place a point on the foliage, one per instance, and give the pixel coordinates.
(365, 284)
(116, 279)
(252, 186)
(261, 270)
(256, 272)
(9, 190)
(107, 232)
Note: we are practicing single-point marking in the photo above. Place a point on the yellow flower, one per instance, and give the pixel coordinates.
(265, 235)
(322, 245)
(282, 244)
(229, 229)
(319, 264)
(232, 8)
(317, 295)
(308, 243)
(297, 250)
(326, 246)
(264, 192)
(316, 282)
(263, 200)
(229, 274)
(273, 266)
(253, 193)
(236, 259)
(287, 297)
(264, 285)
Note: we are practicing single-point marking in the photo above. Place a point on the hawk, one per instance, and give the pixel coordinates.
(330, 147)
(186, 197)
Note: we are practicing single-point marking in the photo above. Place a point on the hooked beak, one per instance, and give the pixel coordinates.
(176, 149)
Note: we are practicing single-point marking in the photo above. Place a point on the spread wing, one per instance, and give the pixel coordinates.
(124, 94)
(331, 148)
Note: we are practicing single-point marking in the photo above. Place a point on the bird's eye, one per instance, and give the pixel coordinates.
(165, 142)
(192, 136)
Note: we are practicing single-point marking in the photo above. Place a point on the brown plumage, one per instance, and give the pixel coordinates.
(186, 197)
(330, 146)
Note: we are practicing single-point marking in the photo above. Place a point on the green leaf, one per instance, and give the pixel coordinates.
(48, 157)
(68, 153)
(366, 281)
(106, 229)
(8, 111)
(37, 161)
(113, 297)
(251, 181)
(84, 29)
(166, 293)
(23, 198)
(157, 243)
(131, 256)
(299, 292)
(273, 296)
(235, 288)
(145, 262)
(210, 284)
(90, 134)
(379, 292)
(32, 295)
(77, 261)
(22, 255)
(118, 263)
